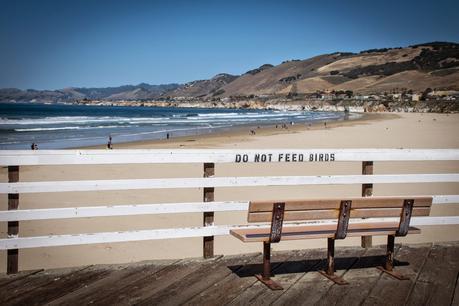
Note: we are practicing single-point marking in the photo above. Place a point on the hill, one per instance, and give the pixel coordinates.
(202, 88)
(431, 65)
(415, 68)
(72, 94)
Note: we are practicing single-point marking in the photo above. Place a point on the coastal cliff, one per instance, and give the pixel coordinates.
(358, 106)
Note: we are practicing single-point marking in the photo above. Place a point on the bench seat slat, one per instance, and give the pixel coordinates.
(319, 231)
(318, 204)
(299, 215)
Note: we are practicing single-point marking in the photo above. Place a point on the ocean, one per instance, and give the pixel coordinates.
(59, 126)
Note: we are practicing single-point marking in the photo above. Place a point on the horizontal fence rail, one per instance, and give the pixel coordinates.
(138, 156)
(133, 184)
(144, 209)
(121, 210)
(156, 234)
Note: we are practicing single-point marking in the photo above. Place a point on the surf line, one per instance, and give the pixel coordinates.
(284, 157)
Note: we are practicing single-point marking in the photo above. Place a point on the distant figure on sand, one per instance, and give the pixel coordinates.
(109, 144)
(34, 146)
(167, 136)
(252, 132)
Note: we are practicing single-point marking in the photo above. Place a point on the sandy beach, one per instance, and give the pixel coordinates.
(404, 130)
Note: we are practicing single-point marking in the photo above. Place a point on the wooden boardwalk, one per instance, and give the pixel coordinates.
(229, 280)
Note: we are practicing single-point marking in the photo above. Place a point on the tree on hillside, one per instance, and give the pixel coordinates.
(425, 93)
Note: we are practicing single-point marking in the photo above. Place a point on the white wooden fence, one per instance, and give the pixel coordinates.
(14, 159)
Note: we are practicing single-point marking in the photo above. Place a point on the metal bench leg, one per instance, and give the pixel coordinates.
(330, 273)
(265, 278)
(389, 265)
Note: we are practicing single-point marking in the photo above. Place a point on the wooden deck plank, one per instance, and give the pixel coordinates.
(6, 279)
(22, 285)
(61, 286)
(310, 288)
(149, 280)
(120, 276)
(237, 282)
(437, 280)
(181, 291)
(45, 286)
(362, 277)
(287, 274)
(391, 291)
(277, 259)
(228, 288)
(455, 299)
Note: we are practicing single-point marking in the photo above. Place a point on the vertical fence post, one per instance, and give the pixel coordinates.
(13, 226)
(367, 191)
(208, 220)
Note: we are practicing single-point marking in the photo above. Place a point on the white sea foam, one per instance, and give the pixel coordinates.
(69, 128)
(249, 115)
(153, 132)
(80, 120)
(201, 118)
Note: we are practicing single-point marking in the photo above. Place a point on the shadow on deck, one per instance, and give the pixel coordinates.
(433, 272)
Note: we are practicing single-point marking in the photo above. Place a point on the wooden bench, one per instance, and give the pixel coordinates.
(343, 210)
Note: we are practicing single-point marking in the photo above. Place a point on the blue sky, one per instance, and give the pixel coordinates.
(55, 44)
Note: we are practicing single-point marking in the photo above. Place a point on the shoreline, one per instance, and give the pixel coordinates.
(56, 127)
(239, 132)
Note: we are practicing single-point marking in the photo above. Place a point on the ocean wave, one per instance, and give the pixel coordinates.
(152, 132)
(54, 120)
(69, 128)
(201, 118)
(251, 115)
(78, 120)
(218, 114)
(118, 120)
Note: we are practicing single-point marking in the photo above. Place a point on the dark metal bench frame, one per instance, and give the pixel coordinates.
(341, 233)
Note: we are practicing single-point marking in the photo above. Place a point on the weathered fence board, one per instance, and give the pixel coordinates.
(138, 156)
(111, 237)
(143, 209)
(132, 184)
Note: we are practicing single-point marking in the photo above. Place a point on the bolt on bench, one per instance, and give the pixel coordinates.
(341, 209)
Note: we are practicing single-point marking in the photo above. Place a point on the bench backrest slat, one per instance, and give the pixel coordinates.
(261, 211)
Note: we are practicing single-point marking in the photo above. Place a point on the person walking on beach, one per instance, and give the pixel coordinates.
(109, 144)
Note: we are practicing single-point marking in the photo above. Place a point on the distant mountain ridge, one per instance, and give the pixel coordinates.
(414, 68)
(141, 91)
(202, 88)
